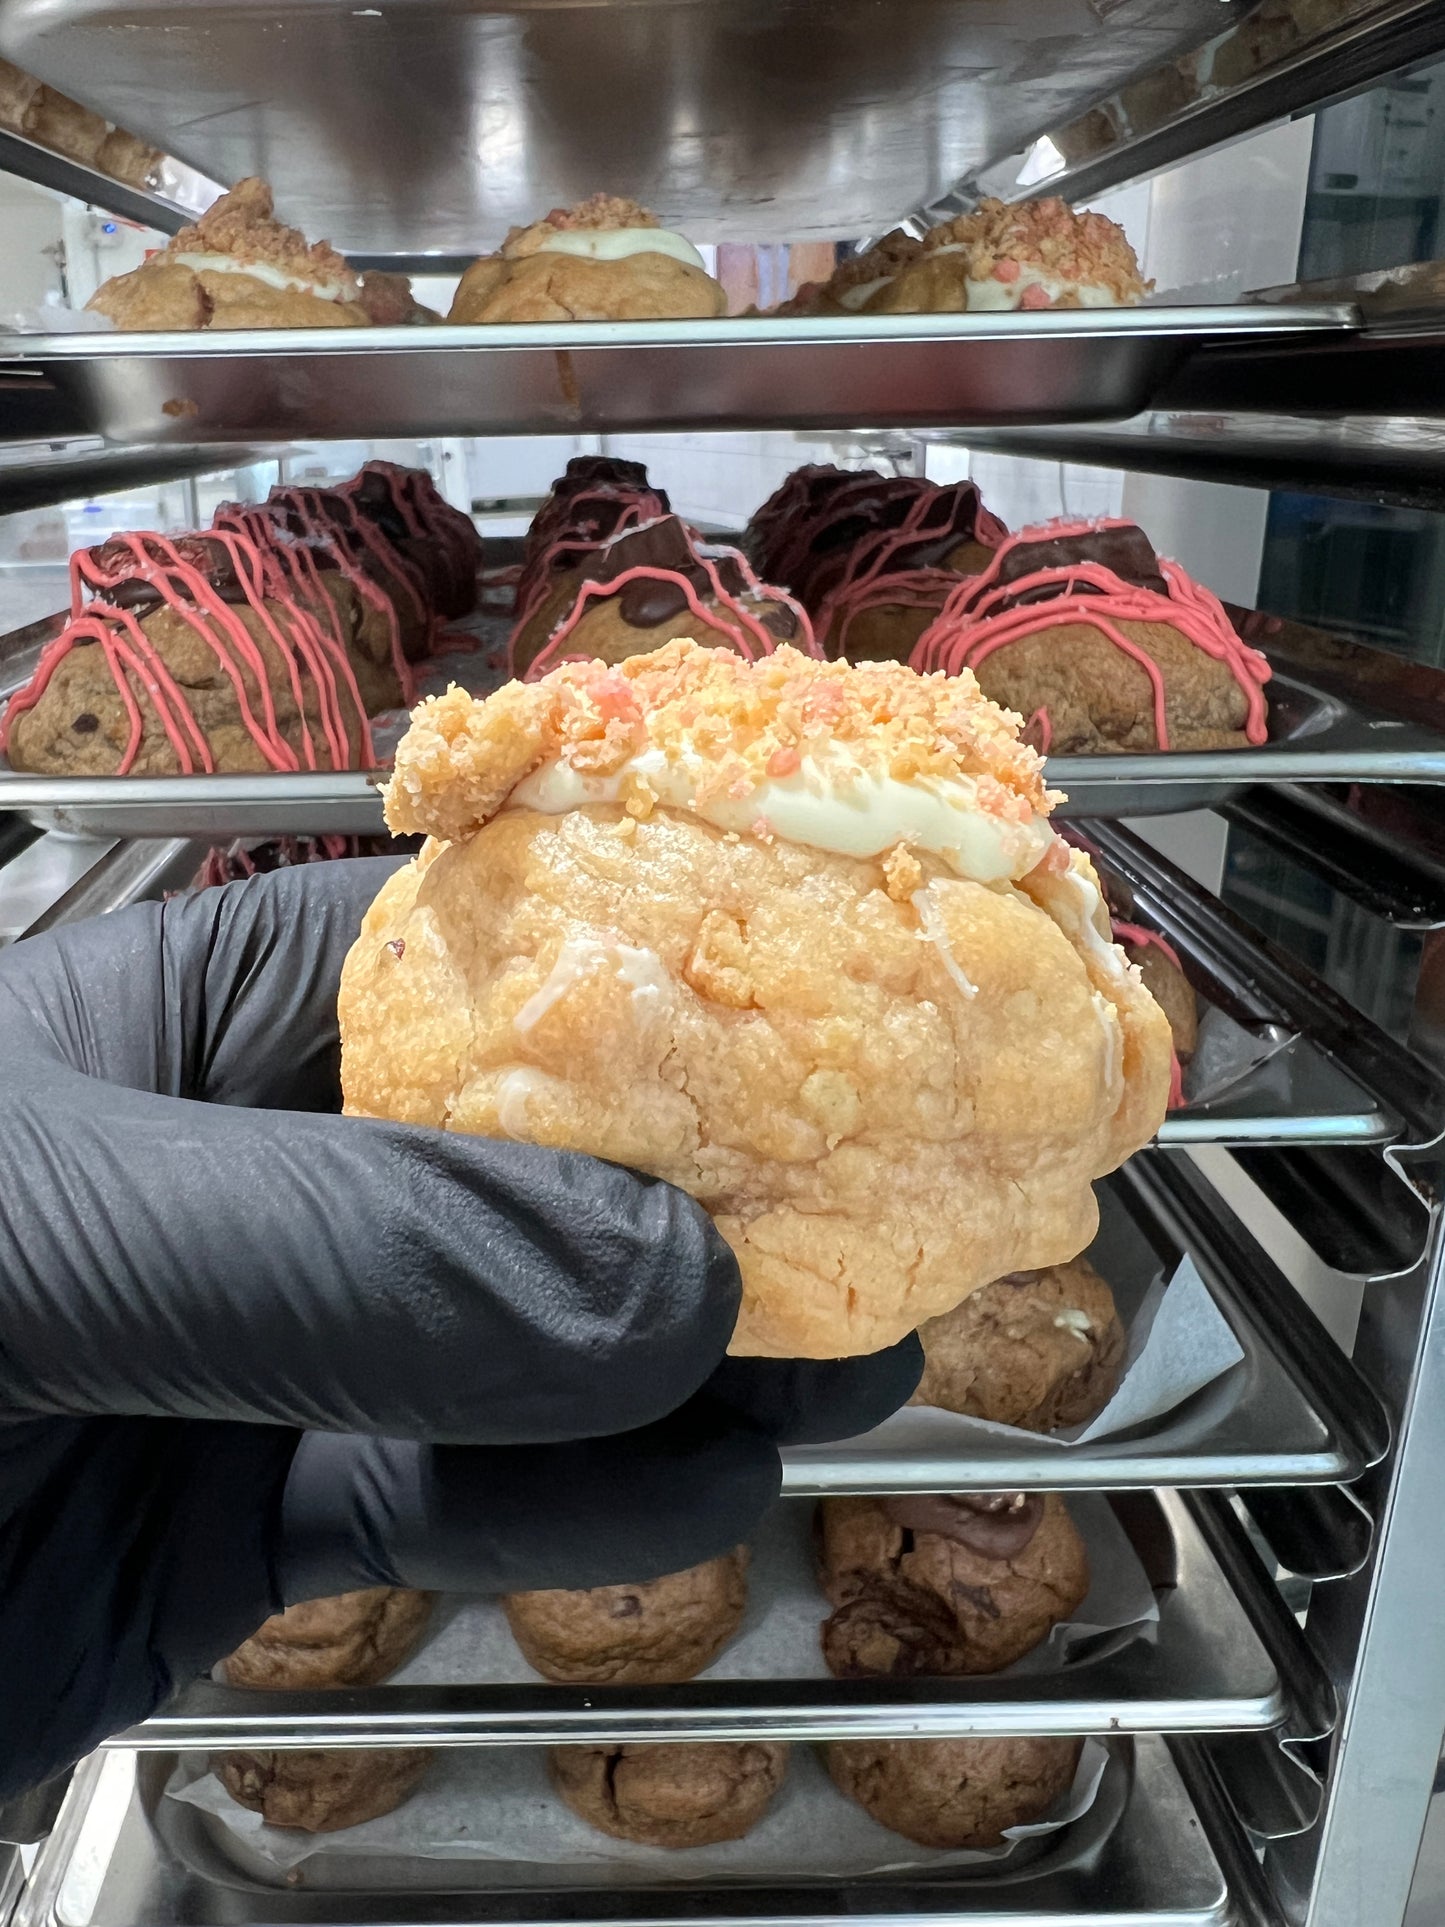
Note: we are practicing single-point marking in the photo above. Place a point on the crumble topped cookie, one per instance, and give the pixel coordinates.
(236, 267)
(797, 936)
(605, 259)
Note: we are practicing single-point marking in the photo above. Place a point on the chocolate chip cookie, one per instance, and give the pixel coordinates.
(953, 1793)
(662, 1629)
(1037, 1349)
(928, 1584)
(670, 1796)
(352, 1639)
(322, 1792)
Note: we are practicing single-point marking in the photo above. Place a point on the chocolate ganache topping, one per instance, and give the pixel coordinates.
(136, 591)
(1127, 553)
(996, 1525)
(646, 602)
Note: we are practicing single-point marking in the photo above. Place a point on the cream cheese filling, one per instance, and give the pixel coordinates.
(621, 243)
(263, 271)
(830, 805)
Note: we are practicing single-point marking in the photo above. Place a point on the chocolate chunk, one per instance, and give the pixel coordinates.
(85, 724)
(646, 602)
(778, 619)
(892, 1631)
(996, 1525)
(663, 544)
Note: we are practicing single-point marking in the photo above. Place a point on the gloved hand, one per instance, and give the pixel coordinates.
(252, 1352)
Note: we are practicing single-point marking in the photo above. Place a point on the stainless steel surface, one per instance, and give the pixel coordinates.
(37, 476)
(1357, 1864)
(1292, 1410)
(756, 120)
(1206, 1669)
(123, 1855)
(1371, 457)
(1251, 1902)
(32, 162)
(1277, 62)
(125, 873)
(611, 376)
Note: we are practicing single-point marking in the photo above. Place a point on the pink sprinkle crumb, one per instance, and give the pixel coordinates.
(1035, 297)
(397, 947)
(1007, 270)
(783, 762)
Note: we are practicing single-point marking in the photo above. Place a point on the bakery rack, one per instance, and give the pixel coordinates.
(1274, 1748)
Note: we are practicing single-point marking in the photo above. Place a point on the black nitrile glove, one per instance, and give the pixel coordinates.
(251, 1351)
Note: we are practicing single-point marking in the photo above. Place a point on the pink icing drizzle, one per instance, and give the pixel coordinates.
(294, 559)
(747, 633)
(983, 614)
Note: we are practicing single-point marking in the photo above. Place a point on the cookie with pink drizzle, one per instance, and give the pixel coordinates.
(630, 595)
(1101, 645)
(805, 544)
(886, 589)
(1166, 982)
(597, 497)
(194, 653)
(417, 518)
(320, 570)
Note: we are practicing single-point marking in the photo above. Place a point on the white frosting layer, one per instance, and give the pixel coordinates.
(1003, 296)
(620, 243)
(263, 271)
(835, 807)
(641, 970)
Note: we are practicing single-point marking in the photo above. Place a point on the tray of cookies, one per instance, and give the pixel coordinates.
(1123, 1842)
(928, 1616)
(147, 712)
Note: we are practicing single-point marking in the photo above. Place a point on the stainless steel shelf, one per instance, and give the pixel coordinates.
(608, 377)
(35, 475)
(1204, 1670)
(1145, 1857)
(527, 106)
(32, 162)
(1398, 459)
(1340, 713)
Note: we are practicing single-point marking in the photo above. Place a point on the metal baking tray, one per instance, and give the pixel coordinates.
(1145, 1856)
(1293, 1410)
(1205, 1669)
(828, 372)
(1319, 736)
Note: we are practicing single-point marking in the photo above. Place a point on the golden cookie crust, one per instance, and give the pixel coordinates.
(953, 1793)
(911, 1603)
(568, 287)
(662, 1630)
(350, 1639)
(324, 1791)
(1036, 1349)
(872, 1147)
(679, 1795)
